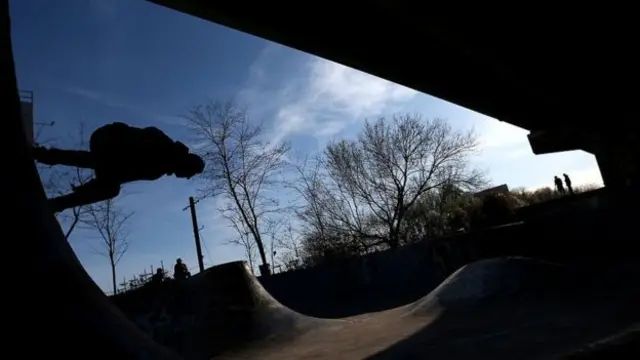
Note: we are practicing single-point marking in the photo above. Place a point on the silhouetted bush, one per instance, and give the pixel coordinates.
(498, 209)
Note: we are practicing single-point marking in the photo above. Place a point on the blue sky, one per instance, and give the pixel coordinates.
(100, 61)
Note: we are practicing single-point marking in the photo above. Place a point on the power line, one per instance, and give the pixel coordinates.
(206, 248)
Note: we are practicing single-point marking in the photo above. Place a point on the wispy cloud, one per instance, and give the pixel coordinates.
(323, 98)
(114, 102)
(100, 97)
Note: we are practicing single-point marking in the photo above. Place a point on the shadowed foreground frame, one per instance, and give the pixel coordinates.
(56, 302)
(57, 309)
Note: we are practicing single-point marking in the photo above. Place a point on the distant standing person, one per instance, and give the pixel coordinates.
(567, 182)
(158, 277)
(180, 271)
(559, 186)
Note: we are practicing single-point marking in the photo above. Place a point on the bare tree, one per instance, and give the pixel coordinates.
(288, 244)
(241, 166)
(289, 240)
(311, 187)
(110, 222)
(59, 180)
(275, 229)
(243, 238)
(393, 163)
(38, 136)
(331, 214)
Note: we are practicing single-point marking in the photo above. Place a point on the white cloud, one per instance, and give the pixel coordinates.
(112, 101)
(326, 98)
(350, 91)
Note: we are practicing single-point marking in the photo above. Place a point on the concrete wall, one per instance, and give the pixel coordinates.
(373, 282)
(586, 201)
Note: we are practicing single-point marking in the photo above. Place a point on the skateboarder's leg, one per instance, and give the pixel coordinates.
(52, 156)
(94, 191)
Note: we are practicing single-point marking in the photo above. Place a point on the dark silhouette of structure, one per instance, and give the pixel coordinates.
(118, 154)
(558, 183)
(567, 182)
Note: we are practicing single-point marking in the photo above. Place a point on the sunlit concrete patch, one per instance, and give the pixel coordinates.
(490, 280)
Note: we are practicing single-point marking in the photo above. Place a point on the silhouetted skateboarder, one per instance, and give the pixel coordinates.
(118, 154)
(559, 186)
(567, 182)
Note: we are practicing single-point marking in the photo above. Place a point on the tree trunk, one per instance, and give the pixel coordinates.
(264, 268)
(250, 260)
(75, 221)
(394, 237)
(113, 277)
(263, 255)
(271, 252)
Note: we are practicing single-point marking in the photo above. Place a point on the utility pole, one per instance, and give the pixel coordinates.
(196, 232)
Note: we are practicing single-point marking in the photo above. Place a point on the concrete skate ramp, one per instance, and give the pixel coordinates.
(507, 308)
(490, 282)
(215, 311)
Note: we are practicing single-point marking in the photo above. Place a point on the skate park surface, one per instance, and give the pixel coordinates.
(500, 308)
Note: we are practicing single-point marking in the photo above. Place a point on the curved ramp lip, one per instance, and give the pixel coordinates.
(470, 284)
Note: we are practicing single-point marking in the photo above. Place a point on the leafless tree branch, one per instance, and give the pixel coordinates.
(60, 180)
(241, 166)
(110, 222)
(357, 194)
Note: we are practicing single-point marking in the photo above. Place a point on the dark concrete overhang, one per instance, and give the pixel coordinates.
(547, 142)
(533, 70)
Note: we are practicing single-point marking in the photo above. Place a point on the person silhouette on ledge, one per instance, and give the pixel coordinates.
(567, 182)
(559, 186)
(119, 154)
